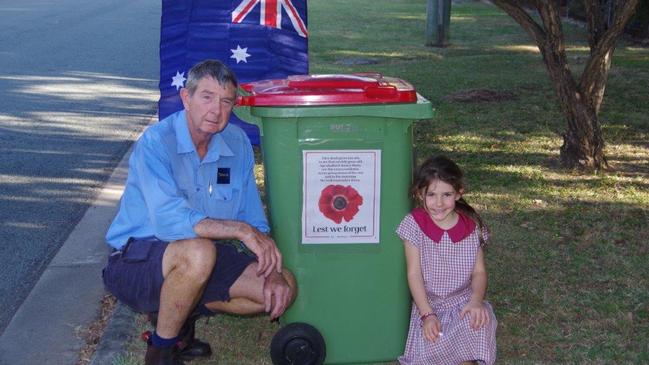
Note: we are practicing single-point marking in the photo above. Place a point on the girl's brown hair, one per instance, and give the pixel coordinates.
(444, 169)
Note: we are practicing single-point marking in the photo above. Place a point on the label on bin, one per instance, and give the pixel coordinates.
(341, 196)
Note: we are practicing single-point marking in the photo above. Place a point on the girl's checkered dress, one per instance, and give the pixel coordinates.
(446, 267)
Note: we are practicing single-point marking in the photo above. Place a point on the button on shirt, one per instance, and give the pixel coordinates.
(169, 189)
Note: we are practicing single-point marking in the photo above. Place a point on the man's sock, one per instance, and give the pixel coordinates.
(158, 341)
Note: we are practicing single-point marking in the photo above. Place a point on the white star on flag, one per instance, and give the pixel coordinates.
(179, 80)
(240, 54)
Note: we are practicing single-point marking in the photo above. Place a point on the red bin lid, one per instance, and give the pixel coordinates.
(358, 88)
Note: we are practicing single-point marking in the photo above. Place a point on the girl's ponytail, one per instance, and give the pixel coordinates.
(468, 210)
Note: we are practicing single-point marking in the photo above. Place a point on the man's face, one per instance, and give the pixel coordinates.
(208, 109)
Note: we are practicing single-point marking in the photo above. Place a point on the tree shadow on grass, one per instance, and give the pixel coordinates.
(568, 283)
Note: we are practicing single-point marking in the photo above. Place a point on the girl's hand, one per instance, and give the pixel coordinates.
(478, 314)
(432, 328)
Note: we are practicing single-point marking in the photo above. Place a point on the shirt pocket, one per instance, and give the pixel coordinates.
(223, 192)
(223, 202)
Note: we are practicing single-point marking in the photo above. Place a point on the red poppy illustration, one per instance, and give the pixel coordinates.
(338, 202)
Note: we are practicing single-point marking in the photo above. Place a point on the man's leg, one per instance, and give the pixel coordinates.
(155, 276)
(233, 280)
(186, 267)
(247, 293)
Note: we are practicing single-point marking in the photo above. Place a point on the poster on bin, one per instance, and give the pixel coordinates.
(341, 196)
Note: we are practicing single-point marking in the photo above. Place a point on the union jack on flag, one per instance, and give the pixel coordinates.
(257, 39)
(271, 14)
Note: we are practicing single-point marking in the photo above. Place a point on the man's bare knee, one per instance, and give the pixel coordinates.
(290, 279)
(194, 257)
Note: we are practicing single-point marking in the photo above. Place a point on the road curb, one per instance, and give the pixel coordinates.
(112, 344)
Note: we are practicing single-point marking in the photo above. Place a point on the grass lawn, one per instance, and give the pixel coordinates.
(569, 261)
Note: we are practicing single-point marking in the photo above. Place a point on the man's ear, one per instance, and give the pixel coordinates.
(184, 96)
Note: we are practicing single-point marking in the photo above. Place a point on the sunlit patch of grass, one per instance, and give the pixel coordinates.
(419, 17)
(410, 54)
(259, 167)
(575, 48)
(459, 18)
(523, 48)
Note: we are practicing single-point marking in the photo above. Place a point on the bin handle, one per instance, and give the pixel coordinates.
(369, 84)
(358, 81)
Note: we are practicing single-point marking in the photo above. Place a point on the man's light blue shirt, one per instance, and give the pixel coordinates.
(169, 189)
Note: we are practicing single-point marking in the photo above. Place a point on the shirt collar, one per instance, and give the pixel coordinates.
(217, 148)
(461, 230)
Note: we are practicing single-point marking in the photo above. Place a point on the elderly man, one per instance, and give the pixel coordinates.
(188, 220)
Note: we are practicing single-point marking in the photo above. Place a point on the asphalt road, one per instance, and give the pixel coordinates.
(78, 82)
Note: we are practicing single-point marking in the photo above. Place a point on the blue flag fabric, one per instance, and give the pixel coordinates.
(257, 39)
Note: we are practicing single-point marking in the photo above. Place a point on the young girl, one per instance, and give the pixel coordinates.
(444, 240)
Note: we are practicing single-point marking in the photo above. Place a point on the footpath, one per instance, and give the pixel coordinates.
(66, 299)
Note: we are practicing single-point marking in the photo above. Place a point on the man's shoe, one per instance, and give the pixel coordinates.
(162, 355)
(189, 347)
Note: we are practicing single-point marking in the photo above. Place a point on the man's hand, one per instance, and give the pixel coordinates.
(269, 258)
(277, 294)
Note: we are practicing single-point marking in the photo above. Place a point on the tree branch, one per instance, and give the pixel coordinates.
(622, 16)
(554, 53)
(549, 14)
(596, 69)
(524, 19)
(594, 20)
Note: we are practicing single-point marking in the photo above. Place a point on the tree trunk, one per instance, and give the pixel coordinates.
(583, 143)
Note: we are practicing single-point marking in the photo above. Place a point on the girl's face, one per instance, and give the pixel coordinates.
(439, 201)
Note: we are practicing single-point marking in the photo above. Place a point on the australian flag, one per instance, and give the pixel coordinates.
(257, 39)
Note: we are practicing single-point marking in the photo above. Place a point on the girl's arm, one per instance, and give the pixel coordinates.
(431, 325)
(479, 278)
(478, 313)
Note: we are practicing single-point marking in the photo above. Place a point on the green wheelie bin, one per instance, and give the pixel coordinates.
(337, 152)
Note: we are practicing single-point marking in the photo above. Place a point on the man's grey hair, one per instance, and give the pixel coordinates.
(210, 68)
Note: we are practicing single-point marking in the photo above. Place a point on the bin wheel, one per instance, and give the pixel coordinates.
(298, 344)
